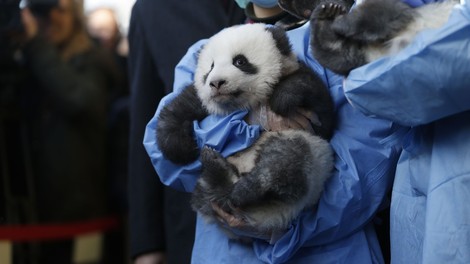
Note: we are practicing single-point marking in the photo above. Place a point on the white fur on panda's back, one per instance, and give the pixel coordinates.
(429, 16)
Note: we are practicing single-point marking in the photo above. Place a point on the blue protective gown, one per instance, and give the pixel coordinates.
(340, 229)
(427, 87)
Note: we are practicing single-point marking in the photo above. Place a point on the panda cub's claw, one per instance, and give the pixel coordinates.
(209, 154)
(215, 167)
(328, 11)
(212, 161)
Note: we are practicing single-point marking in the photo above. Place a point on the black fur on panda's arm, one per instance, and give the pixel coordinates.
(175, 134)
(341, 39)
(303, 89)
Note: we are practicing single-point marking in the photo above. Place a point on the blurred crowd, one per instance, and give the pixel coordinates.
(64, 127)
(76, 183)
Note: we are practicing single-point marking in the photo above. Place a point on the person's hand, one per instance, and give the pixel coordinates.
(270, 121)
(301, 120)
(228, 219)
(238, 224)
(151, 258)
(30, 23)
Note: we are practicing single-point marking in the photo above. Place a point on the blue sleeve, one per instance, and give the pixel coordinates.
(366, 155)
(227, 134)
(418, 3)
(426, 81)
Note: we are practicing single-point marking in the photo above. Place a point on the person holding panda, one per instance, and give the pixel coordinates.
(340, 229)
(161, 222)
(426, 87)
(146, 243)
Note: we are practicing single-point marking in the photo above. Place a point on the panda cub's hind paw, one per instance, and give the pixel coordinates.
(208, 154)
(328, 11)
(213, 162)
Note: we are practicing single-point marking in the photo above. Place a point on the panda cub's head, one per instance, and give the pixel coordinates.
(239, 67)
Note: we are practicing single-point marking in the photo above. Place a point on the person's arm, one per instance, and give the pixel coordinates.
(427, 81)
(366, 152)
(146, 214)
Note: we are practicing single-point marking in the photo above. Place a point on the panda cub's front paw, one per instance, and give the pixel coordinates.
(328, 11)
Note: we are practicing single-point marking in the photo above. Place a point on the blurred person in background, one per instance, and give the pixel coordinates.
(103, 27)
(64, 108)
(269, 12)
(161, 220)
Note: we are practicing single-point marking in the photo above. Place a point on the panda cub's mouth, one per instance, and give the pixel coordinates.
(229, 101)
(222, 95)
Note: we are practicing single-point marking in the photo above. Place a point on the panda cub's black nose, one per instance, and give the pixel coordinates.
(217, 84)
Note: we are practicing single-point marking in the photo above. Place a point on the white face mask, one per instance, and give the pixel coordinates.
(242, 3)
(265, 3)
(260, 3)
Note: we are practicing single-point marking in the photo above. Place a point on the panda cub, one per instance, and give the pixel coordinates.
(248, 67)
(343, 40)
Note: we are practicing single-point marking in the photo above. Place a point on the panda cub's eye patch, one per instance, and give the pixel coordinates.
(242, 63)
(240, 60)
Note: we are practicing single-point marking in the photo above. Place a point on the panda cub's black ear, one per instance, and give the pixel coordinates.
(282, 42)
(198, 52)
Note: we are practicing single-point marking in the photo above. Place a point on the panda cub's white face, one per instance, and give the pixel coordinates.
(238, 68)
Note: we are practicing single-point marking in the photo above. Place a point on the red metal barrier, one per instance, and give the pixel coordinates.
(27, 233)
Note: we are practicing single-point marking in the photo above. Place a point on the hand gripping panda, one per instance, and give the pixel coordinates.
(248, 67)
(343, 40)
